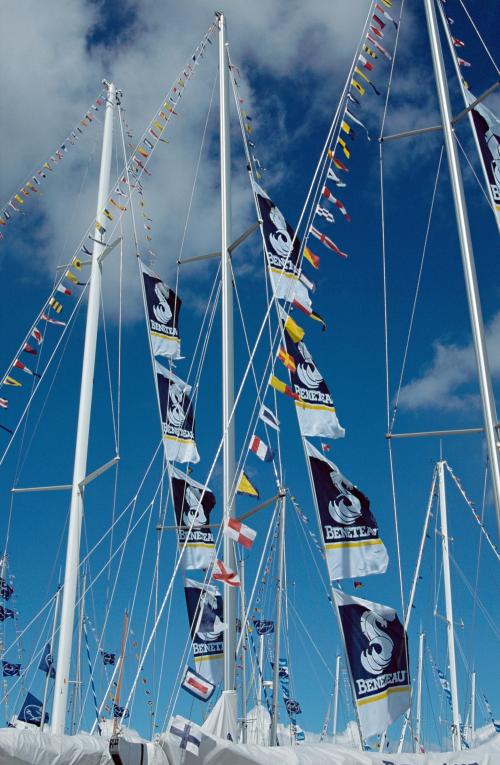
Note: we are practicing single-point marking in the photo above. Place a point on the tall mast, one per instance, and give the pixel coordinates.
(336, 699)
(63, 663)
(493, 202)
(277, 627)
(418, 722)
(488, 402)
(450, 630)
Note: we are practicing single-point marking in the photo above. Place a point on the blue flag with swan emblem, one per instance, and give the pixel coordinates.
(377, 650)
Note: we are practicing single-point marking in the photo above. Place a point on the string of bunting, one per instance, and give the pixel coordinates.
(16, 204)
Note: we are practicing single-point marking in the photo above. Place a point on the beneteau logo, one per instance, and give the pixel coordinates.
(307, 373)
(175, 412)
(211, 625)
(162, 310)
(194, 514)
(281, 240)
(346, 508)
(378, 655)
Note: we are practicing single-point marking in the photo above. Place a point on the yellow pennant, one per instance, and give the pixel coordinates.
(369, 51)
(10, 381)
(361, 74)
(159, 126)
(120, 207)
(77, 263)
(358, 87)
(55, 305)
(108, 214)
(19, 199)
(343, 144)
(142, 152)
(246, 487)
(345, 127)
(293, 329)
(70, 275)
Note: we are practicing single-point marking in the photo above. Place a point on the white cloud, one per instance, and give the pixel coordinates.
(443, 384)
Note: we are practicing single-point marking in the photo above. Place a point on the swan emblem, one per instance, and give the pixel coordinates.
(377, 657)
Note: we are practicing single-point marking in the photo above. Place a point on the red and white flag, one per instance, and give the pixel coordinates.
(19, 365)
(29, 349)
(325, 447)
(328, 195)
(242, 534)
(223, 574)
(463, 62)
(262, 450)
(63, 289)
(458, 43)
(197, 685)
(4, 403)
(49, 320)
(37, 335)
(327, 242)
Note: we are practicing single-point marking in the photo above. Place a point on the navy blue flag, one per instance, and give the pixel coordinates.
(6, 613)
(293, 707)
(120, 712)
(5, 589)
(10, 670)
(264, 626)
(378, 657)
(47, 662)
(108, 658)
(31, 711)
(205, 614)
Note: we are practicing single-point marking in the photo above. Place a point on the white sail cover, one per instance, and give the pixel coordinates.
(214, 751)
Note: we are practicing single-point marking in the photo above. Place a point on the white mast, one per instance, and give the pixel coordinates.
(418, 723)
(455, 732)
(488, 402)
(82, 436)
(473, 708)
(336, 699)
(230, 602)
(49, 667)
(244, 721)
(277, 628)
(260, 673)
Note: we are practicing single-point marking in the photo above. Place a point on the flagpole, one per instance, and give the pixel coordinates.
(230, 602)
(450, 628)
(244, 723)
(49, 670)
(469, 115)
(277, 627)
(82, 436)
(476, 318)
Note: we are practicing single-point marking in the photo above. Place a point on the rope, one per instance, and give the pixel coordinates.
(91, 671)
(476, 30)
(470, 505)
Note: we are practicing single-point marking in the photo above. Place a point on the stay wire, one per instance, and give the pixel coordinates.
(486, 49)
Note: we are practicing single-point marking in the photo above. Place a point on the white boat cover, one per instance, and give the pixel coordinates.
(214, 751)
(26, 747)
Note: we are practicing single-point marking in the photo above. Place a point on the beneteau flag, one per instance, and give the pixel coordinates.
(205, 613)
(31, 711)
(350, 534)
(193, 504)
(315, 409)
(163, 307)
(377, 650)
(177, 417)
(282, 255)
(487, 126)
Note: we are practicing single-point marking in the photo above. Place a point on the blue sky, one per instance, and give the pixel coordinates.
(292, 69)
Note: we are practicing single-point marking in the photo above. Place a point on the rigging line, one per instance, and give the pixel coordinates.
(302, 526)
(391, 73)
(476, 30)
(473, 171)
(108, 368)
(314, 645)
(417, 291)
(51, 357)
(470, 505)
(482, 607)
(257, 388)
(384, 279)
(476, 580)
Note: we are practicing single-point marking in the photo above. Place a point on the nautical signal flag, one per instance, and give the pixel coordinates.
(19, 365)
(328, 195)
(63, 289)
(240, 533)
(10, 381)
(187, 735)
(49, 320)
(337, 162)
(4, 404)
(295, 332)
(246, 487)
(197, 685)
(327, 242)
(262, 450)
(282, 387)
(311, 257)
(331, 176)
(55, 305)
(222, 574)
(268, 416)
(27, 348)
(287, 359)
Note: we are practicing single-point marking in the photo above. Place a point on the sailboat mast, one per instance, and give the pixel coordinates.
(277, 627)
(488, 401)
(418, 722)
(473, 708)
(230, 602)
(82, 436)
(336, 698)
(450, 628)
